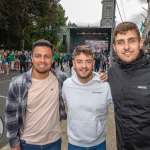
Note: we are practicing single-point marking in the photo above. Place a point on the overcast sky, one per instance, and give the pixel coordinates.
(89, 12)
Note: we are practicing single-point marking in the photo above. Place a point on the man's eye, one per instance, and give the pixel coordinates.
(48, 56)
(132, 41)
(79, 62)
(119, 42)
(37, 56)
(89, 61)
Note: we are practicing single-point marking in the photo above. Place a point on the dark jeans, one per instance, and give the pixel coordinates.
(101, 146)
(22, 66)
(61, 64)
(52, 146)
(97, 68)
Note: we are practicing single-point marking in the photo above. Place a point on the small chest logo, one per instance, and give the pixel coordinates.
(142, 87)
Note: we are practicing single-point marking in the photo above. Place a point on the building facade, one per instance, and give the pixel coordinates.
(108, 13)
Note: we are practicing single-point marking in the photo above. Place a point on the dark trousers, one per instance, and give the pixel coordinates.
(97, 68)
(61, 64)
(22, 66)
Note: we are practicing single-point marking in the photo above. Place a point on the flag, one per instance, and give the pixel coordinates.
(142, 26)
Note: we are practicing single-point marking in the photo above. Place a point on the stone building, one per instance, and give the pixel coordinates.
(108, 13)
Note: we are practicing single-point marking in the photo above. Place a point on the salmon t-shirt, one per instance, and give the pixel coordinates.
(42, 125)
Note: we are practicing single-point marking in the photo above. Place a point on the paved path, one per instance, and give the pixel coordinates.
(4, 82)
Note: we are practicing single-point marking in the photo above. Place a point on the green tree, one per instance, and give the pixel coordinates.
(20, 18)
(71, 24)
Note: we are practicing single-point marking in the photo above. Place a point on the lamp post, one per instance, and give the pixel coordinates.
(112, 30)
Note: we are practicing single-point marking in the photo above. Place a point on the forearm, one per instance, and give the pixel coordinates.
(11, 119)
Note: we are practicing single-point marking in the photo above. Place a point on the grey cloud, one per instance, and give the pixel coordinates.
(138, 18)
(141, 1)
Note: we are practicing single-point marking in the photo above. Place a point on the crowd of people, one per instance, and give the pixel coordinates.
(101, 62)
(62, 58)
(35, 103)
(14, 60)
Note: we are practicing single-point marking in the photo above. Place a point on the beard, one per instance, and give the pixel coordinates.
(88, 75)
(41, 71)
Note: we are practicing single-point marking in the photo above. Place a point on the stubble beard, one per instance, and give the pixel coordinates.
(41, 71)
(84, 77)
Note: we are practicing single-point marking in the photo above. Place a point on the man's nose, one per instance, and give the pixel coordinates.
(126, 45)
(42, 59)
(84, 64)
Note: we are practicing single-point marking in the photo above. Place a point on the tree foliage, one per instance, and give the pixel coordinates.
(23, 21)
(71, 24)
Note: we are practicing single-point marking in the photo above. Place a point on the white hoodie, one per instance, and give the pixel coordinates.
(87, 110)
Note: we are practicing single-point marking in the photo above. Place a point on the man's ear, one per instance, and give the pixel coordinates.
(114, 48)
(141, 43)
(93, 63)
(73, 62)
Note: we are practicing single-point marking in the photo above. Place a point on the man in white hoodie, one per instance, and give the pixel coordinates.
(87, 100)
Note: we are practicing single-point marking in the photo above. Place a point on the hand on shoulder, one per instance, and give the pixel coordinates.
(103, 76)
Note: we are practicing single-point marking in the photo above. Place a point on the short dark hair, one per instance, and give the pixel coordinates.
(124, 27)
(82, 49)
(42, 42)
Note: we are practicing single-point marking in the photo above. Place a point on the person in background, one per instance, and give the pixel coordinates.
(97, 63)
(27, 61)
(70, 62)
(17, 61)
(1, 71)
(129, 79)
(12, 60)
(61, 61)
(7, 63)
(56, 58)
(22, 58)
(87, 99)
(103, 63)
(3, 61)
(34, 106)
